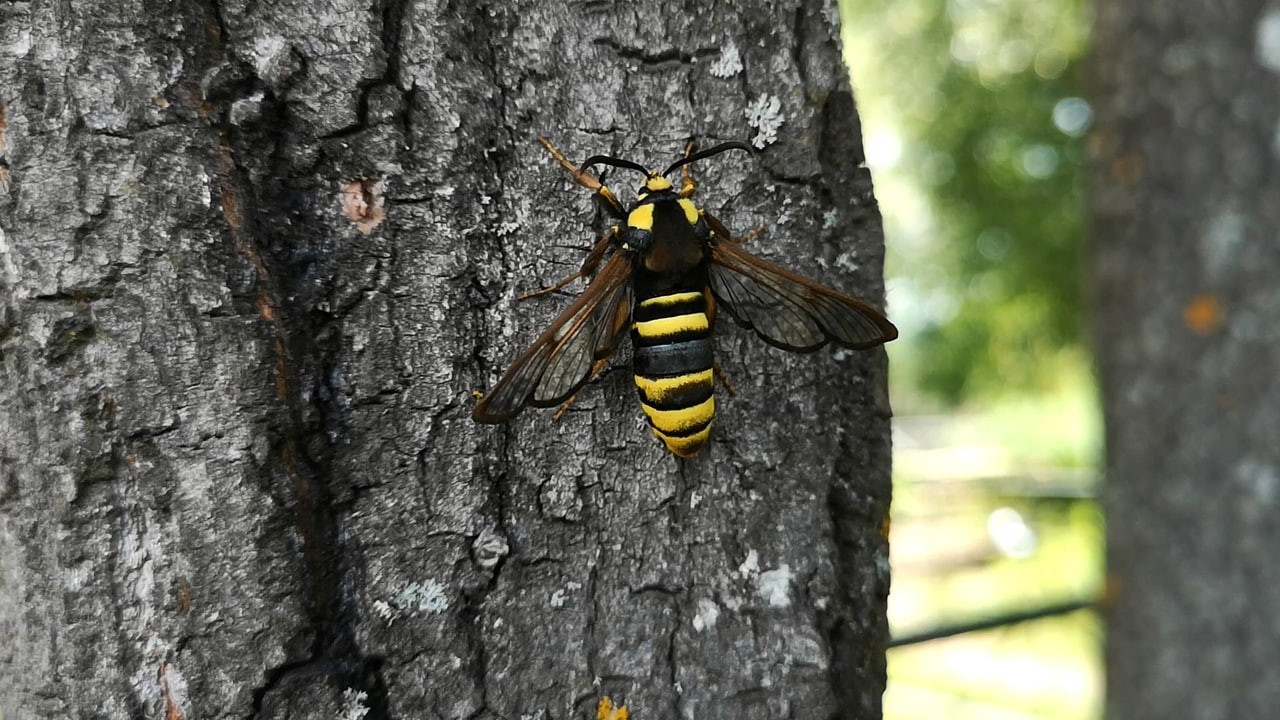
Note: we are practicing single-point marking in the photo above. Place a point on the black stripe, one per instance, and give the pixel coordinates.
(687, 396)
(684, 307)
(691, 430)
(671, 359)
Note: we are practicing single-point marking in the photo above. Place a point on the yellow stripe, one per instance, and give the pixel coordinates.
(685, 446)
(642, 217)
(690, 210)
(672, 299)
(657, 389)
(663, 327)
(657, 184)
(674, 421)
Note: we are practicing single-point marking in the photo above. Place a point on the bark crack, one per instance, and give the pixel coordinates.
(259, 204)
(662, 59)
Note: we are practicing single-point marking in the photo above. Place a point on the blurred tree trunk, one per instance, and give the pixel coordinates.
(1184, 267)
(255, 257)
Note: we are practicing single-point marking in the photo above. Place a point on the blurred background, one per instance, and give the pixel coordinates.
(974, 122)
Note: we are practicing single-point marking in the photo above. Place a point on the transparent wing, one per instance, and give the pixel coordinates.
(559, 362)
(790, 311)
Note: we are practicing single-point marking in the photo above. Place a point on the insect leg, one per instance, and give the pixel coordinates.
(687, 186)
(711, 320)
(719, 229)
(595, 370)
(587, 180)
(588, 266)
(724, 379)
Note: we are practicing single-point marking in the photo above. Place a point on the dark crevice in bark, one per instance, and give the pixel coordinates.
(799, 41)
(590, 623)
(264, 202)
(656, 60)
(393, 15)
(392, 21)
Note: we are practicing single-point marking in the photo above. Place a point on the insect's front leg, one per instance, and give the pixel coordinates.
(588, 181)
(687, 185)
(588, 266)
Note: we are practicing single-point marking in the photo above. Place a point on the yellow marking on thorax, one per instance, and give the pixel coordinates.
(658, 389)
(690, 210)
(672, 299)
(685, 446)
(662, 327)
(657, 184)
(674, 421)
(642, 217)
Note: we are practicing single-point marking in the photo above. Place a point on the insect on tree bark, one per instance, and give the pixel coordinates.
(255, 258)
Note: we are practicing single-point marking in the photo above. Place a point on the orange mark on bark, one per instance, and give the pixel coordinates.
(171, 711)
(1127, 169)
(230, 203)
(1203, 314)
(363, 204)
(231, 210)
(265, 309)
(183, 593)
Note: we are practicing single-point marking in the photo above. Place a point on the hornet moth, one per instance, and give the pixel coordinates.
(661, 273)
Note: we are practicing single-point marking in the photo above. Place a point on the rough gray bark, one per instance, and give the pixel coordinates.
(254, 259)
(1184, 266)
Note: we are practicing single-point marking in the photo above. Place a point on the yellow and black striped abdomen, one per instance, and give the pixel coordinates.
(671, 336)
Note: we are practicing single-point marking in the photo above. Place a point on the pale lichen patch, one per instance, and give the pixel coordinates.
(354, 705)
(774, 586)
(416, 598)
(765, 115)
(729, 63)
(706, 615)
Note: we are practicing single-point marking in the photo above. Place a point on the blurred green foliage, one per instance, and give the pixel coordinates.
(973, 126)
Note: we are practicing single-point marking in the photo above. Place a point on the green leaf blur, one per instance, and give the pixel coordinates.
(974, 136)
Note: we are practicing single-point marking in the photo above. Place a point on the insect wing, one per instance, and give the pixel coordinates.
(559, 362)
(788, 310)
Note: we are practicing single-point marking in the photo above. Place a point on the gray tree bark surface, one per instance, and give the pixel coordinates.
(255, 258)
(1184, 269)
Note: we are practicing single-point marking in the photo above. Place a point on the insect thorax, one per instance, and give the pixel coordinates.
(667, 233)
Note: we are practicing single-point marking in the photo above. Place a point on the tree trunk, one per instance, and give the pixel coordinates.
(1184, 268)
(254, 259)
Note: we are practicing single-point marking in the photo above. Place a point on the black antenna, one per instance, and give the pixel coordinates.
(616, 162)
(735, 145)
